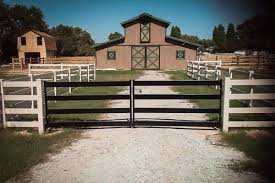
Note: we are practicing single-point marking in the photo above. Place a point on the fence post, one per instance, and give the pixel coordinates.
(225, 101)
(61, 66)
(55, 79)
(216, 75)
(3, 104)
(230, 72)
(80, 73)
(70, 79)
(12, 61)
(40, 106)
(205, 70)
(251, 87)
(32, 80)
(94, 72)
(88, 73)
(199, 71)
(192, 65)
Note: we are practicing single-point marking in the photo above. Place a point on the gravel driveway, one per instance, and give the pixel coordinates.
(144, 154)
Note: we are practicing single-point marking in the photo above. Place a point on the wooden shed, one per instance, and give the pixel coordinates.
(145, 46)
(36, 44)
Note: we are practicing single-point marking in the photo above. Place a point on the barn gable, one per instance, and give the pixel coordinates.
(145, 46)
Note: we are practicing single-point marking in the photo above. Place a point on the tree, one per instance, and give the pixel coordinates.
(5, 26)
(257, 33)
(219, 38)
(175, 32)
(115, 35)
(72, 41)
(230, 38)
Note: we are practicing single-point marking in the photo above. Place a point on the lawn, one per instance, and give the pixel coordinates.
(260, 150)
(18, 153)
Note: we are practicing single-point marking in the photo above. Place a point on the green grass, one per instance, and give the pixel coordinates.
(261, 151)
(18, 153)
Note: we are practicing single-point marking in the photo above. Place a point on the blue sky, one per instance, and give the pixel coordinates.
(101, 17)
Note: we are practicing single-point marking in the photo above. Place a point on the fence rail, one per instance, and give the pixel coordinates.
(38, 110)
(228, 96)
(24, 62)
(241, 61)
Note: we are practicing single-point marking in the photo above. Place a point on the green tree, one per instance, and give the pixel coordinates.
(219, 38)
(230, 38)
(5, 27)
(176, 32)
(115, 35)
(72, 41)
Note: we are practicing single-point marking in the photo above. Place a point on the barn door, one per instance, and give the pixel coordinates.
(152, 57)
(138, 57)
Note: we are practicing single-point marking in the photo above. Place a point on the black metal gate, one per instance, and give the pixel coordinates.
(132, 97)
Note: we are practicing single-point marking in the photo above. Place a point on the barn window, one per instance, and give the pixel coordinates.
(39, 40)
(111, 55)
(23, 40)
(180, 54)
(145, 32)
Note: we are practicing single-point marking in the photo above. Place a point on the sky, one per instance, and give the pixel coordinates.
(101, 17)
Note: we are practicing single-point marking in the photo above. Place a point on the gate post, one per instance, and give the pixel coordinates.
(225, 102)
(132, 103)
(2, 103)
(41, 106)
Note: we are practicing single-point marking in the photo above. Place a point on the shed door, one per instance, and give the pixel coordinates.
(138, 57)
(145, 57)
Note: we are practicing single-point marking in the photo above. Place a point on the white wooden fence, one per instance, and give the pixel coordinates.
(204, 70)
(89, 70)
(19, 99)
(21, 92)
(227, 110)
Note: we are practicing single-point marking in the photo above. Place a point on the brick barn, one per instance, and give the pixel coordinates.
(145, 46)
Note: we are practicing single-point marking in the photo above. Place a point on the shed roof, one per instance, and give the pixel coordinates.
(145, 17)
(42, 34)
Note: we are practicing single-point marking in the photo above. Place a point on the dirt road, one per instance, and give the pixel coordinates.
(144, 154)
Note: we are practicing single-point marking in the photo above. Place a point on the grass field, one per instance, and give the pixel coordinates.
(18, 153)
(261, 150)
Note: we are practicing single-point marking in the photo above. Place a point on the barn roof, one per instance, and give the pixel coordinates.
(145, 17)
(181, 42)
(42, 34)
(108, 43)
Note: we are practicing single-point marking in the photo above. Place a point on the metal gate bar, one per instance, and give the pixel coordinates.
(132, 97)
(88, 97)
(177, 96)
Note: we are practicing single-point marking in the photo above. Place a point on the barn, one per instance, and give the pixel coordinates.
(36, 44)
(145, 45)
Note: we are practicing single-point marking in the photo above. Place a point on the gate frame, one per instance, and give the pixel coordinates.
(132, 97)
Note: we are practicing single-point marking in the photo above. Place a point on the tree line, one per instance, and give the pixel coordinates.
(256, 33)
